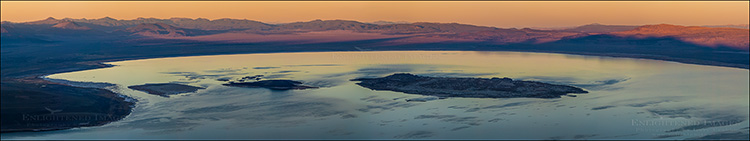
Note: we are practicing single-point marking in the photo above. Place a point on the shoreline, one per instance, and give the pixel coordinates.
(98, 64)
(105, 63)
(614, 55)
(121, 98)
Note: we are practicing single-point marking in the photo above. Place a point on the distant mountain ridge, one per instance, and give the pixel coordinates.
(600, 28)
(419, 32)
(179, 27)
(743, 26)
(49, 20)
(389, 22)
(70, 25)
(200, 23)
(48, 27)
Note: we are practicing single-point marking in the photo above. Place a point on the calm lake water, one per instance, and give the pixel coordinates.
(628, 99)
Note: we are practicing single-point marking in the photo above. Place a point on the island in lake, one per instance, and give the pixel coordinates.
(466, 87)
(165, 89)
(271, 84)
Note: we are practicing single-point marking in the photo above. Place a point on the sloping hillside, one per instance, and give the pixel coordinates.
(706, 36)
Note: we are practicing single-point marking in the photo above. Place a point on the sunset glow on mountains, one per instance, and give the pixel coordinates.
(490, 13)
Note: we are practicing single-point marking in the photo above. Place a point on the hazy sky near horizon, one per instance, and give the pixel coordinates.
(486, 13)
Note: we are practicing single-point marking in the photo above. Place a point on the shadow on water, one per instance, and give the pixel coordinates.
(603, 85)
(250, 107)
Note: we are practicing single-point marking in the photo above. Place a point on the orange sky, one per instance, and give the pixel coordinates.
(487, 13)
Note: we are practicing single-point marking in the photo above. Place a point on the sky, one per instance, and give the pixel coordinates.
(485, 13)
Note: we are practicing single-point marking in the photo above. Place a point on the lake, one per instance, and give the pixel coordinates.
(627, 99)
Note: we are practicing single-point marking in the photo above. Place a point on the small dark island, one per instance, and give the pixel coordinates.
(466, 87)
(271, 84)
(165, 89)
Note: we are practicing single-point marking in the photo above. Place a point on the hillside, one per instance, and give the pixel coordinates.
(159, 30)
(70, 25)
(706, 36)
(600, 28)
(743, 26)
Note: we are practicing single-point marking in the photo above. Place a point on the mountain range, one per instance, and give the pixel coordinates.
(419, 32)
